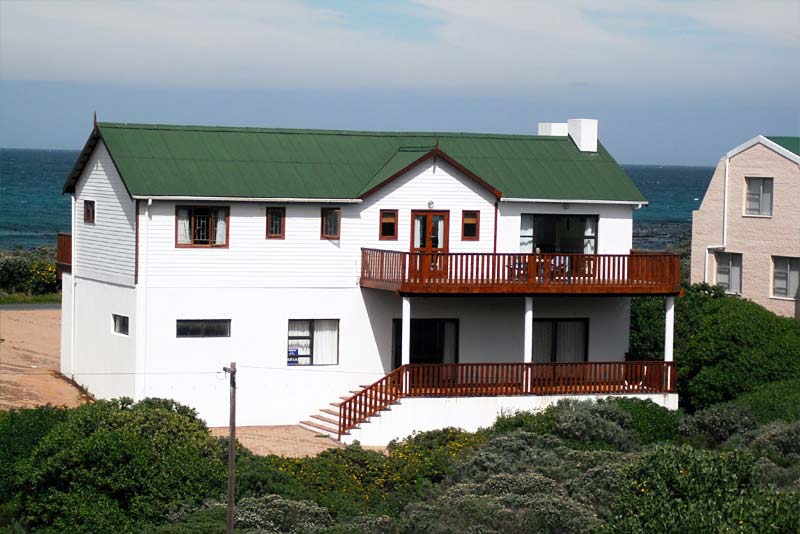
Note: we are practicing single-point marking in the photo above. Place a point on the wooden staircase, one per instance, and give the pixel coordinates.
(326, 420)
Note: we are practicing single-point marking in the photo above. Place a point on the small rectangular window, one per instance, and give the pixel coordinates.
(331, 220)
(276, 218)
(470, 225)
(759, 196)
(88, 211)
(729, 272)
(388, 230)
(201, 226)
(120, 324)
(786, 277)
(203, 328)
(313, 342)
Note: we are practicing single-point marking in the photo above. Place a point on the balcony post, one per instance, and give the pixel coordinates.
(405, 328)
(527, 347)
(669, 334)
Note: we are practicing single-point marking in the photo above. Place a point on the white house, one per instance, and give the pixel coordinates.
(366, 283)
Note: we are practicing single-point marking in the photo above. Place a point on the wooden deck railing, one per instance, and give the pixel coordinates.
(505, 379)
(460, 272)
(63, 254)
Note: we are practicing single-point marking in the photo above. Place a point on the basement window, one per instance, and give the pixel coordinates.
(203, 328)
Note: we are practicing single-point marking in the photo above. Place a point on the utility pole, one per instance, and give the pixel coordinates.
(231, 447)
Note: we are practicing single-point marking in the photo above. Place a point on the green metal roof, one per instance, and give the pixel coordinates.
(792, 144)
(162, 160)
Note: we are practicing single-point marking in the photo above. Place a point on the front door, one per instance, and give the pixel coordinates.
(429, 240)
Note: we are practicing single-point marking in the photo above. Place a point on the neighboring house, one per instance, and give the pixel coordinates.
(447, 275)
(746, 234)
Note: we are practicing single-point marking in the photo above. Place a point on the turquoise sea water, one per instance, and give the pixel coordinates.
(34, 211)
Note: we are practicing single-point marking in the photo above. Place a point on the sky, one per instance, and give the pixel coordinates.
(671, 82)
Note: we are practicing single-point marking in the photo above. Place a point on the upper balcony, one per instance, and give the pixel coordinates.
(523, 274)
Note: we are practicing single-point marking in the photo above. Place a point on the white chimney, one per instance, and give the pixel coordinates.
(584, 133)
(553, 128)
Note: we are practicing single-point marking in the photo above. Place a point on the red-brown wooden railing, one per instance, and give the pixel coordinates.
(468, 272)
(505, 379)
(63, 254)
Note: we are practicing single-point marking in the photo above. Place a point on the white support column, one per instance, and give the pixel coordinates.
(405, 337)
(669, 334)
(527, 355)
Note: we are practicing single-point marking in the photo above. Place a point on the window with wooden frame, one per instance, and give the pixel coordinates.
(88, 211)
(313, 342)
(202, 226)
(276, 222)
(470, 225)
(331, 219)
(388, 227)
(203, 328)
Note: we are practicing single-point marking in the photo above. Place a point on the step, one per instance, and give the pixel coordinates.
(335, 404)
(320, 427)
(330, 412)
(333, 422)
(356, 391)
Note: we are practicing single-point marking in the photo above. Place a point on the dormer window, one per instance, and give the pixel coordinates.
(201, 226)
(331, 221)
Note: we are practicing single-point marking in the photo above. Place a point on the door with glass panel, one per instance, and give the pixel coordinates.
(429, 241)
(557, 342)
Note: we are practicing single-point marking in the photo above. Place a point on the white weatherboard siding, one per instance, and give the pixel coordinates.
(468, 413)
(106, 249)
(614, 225)
(104, 360)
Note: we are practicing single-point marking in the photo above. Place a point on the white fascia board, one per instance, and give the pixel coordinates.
(252, 199)
(576, 201)
(772, 145)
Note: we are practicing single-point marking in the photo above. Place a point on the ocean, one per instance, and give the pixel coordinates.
(34, 210)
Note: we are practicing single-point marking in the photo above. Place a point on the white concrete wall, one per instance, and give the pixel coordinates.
(614, 225)
(66, 324)
(106, 249)
(104, 360)
(468, 413)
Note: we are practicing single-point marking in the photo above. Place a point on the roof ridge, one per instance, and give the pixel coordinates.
(305, 131)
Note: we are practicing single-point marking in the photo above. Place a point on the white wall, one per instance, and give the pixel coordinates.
(66, 324)
(614, 225)
(104, 360)
(468, 413)
(105, 250)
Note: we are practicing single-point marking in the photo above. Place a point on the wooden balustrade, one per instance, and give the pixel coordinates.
(461, 272)
(63, 254)
(506, 379)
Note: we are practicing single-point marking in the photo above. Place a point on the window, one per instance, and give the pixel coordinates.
(759, 196)
(203, 328)
(201, 226)
(560, 340)
(554, 234)
(313, 342)
(470, 225)
(388, 230)
(786, 277)
(276, 219)
(88, 211)
(331, 219)
(120, 324)
(729, 272)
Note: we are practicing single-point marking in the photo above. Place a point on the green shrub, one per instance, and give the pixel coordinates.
(14, 274)
(118, 466)
(43, 279)
(274, 514)
(541, 422)
(429, 455)
(687, 490)
(779, 441)
(778, 401)
(716, 424)
(724, 346)
(649, 422)
(594, 426)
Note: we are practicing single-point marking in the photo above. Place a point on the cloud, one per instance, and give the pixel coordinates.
(512, 46)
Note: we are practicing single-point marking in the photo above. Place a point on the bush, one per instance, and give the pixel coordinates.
(724, 346)
(779, 441)
(14, 274)
(429, 455)
(778, 401)
(274, 514)
(43, 279)
(688, 490)
(542, 422)
(649, 422)
(118, 466)
(716, 424)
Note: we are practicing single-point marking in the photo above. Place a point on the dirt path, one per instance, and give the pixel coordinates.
(289, 440)
(30, 344)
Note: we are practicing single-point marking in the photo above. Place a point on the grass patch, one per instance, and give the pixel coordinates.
(24, 298)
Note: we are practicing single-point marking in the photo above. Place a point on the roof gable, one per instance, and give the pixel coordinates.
(191, 161)
(787, 147)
